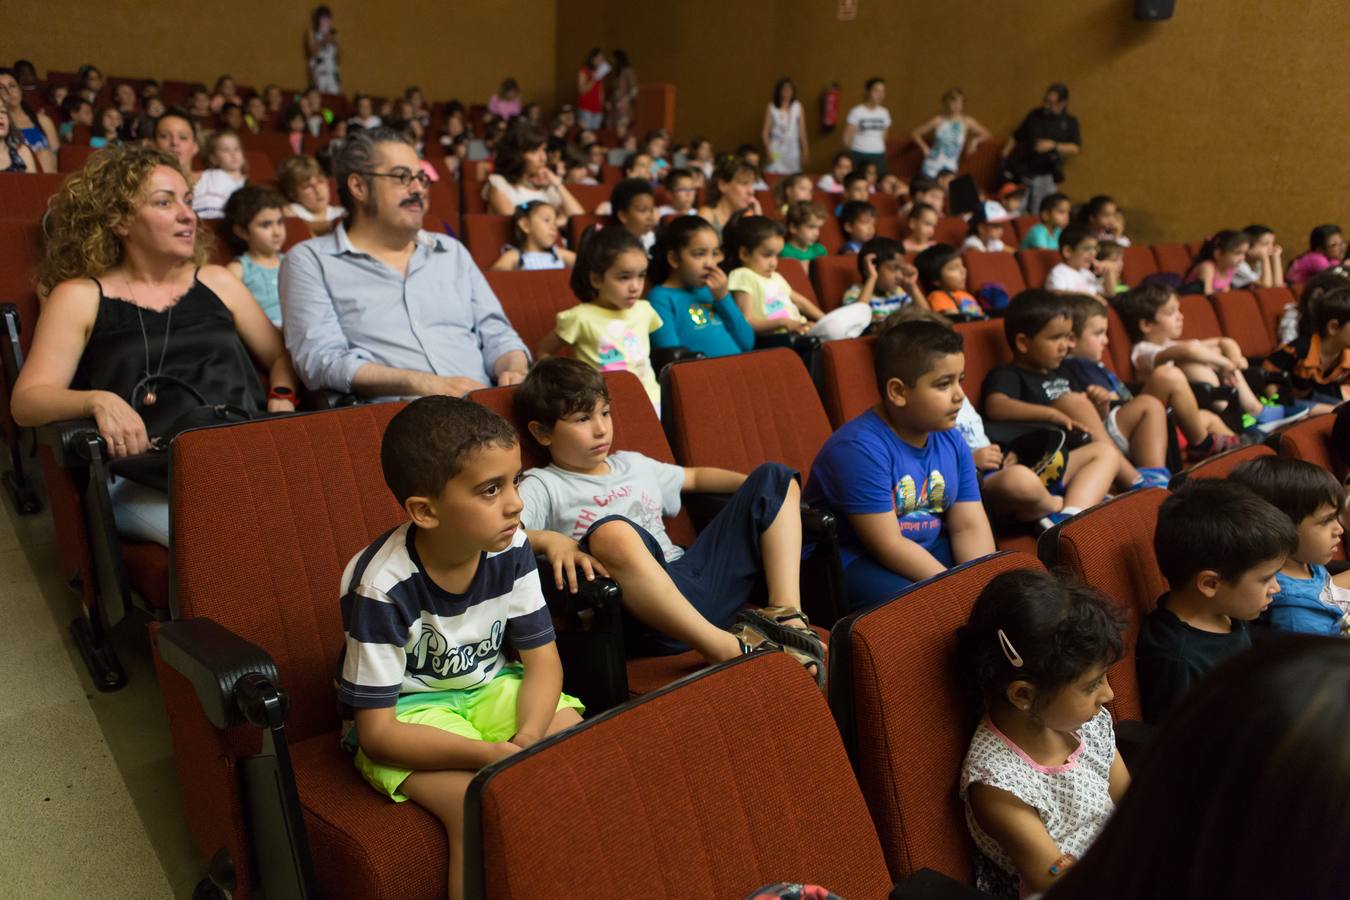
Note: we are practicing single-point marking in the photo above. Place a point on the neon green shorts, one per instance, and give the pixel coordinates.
(486, 713)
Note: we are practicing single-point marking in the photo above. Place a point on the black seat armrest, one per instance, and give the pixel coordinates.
(74, 442)
(214, 660)
(601, 594)
(818, 523)
(928, 884)
(326, 399)
(666, 356)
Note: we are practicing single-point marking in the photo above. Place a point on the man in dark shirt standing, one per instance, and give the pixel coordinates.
(1035, 153)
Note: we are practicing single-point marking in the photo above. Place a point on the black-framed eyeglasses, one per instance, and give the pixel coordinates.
(404, 177)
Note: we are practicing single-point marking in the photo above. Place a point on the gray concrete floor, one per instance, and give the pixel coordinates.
(89, 799)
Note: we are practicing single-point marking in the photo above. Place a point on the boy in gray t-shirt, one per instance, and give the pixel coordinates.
(590, 506)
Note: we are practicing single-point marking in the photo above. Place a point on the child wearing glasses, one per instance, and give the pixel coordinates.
(1042, 774)
(682, 194)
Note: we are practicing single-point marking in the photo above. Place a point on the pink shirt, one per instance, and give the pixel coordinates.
(503, 109)
(1308, 265)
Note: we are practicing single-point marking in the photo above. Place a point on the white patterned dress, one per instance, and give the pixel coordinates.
(1073, 799)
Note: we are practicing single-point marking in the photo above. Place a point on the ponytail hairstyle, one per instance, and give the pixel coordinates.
(519, 216)
(673, 237)
(780, 190)
(1226, 241)
(746, 232)
(596, 253)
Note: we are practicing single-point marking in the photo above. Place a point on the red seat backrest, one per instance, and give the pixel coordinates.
(24, 195)
(1200, 320)
(576, 227)
(983, 165)
(260, 166)
(275, 145)
(73, 156)
(1119, 346)
(1310, 441)
(885, 204)
(1036, 265)
(850, 384)
(590, 195)
(951, 230)
(1139, 264)
(1272, 302)
(485, 235)
(893, 678)
(1222, 466)
(996, 268)
(1110, 549)
(636, 427)
(796, 277)
(296, 232)
(443, 202)
(532, 300)
(621, 808)
(1240, 318)
(986, 349)
(1022, 224)
(833, 276)
(237, 561)
(831, 236)
(471, 189)
(1173, 258)
(889, 227)
(751, 389)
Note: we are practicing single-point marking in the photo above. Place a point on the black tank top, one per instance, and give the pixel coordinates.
(204, 351)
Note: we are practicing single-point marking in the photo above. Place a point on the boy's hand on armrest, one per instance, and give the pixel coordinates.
(708, 480)
(881, 538)
(565, 557)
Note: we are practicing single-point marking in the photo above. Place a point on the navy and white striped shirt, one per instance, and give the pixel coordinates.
(407, 635)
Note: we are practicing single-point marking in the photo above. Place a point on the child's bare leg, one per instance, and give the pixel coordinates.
(1018, 493)
(1169, 384)
(1214, 424)
(1143, 422)
(1250, 405)
(649, 594)
(1080, 408)
(780, 547)
(1089, 474)
(442, 794)
(562, 719)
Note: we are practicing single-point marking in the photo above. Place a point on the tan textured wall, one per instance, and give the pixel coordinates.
(450, 48)
(1222, 116)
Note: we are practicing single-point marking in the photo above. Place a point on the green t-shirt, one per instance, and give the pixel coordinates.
(792, 251)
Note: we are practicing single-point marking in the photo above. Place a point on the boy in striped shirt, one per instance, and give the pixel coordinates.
(427, 607)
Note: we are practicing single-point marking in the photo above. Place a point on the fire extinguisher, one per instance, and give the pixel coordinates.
(829, 107)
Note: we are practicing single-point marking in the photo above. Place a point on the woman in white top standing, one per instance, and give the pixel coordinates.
(866, 126)
(949, 132)
(322, 46)
(522, 174)
(784, 132)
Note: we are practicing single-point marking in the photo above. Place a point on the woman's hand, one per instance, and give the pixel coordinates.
(121, 427)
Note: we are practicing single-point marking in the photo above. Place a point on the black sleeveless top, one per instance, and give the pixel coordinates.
(204, 351)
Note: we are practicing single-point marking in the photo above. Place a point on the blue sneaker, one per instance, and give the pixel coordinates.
(1153, 477)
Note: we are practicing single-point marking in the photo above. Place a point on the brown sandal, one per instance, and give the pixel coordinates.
(753, 639)
(786, 625)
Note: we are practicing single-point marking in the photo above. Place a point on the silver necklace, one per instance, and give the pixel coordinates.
(151, 397)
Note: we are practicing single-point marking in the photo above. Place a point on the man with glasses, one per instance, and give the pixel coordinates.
(1035, 153)
(380, 308)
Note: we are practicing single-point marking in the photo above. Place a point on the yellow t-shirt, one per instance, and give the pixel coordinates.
(771, 298)
(614, 339)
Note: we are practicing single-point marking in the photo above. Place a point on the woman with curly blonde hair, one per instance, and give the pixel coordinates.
(136, 330)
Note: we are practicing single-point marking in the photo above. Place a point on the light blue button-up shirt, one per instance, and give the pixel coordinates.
(343, 308)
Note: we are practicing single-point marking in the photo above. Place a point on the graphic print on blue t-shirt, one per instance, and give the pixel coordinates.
(919, 512)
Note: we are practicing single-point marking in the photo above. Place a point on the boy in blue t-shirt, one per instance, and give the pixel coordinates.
(1310, 600)
(900, 479)
(427, 607)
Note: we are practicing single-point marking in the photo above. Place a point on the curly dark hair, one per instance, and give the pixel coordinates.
(521, 138)
(1058, 629)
